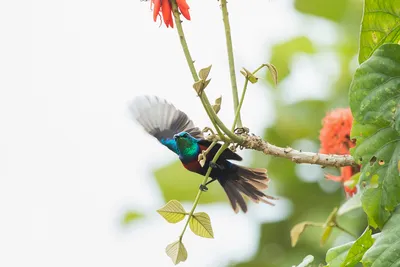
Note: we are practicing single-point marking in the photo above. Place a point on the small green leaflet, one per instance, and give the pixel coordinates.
(173, 211)
(298, 229)
(217, 104)
(177, 252)
(249, 75)
(203, 73)
(200, 225)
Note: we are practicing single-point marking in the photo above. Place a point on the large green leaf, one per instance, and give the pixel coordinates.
(380, 24)
(386, 249)
(374, 101)
(375, 91)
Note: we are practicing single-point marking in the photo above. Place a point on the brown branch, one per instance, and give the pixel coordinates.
(256, 143)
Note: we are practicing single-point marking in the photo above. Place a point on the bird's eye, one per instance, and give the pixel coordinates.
(185, 135)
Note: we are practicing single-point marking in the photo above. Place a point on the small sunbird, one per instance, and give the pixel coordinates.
(175, 130)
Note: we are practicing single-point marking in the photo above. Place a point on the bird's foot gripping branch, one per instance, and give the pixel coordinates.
(372, 169)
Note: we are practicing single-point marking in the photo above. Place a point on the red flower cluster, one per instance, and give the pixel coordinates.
(335, 139)
(166, 10)
(335, 132)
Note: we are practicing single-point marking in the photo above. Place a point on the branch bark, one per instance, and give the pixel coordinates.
(257, 143)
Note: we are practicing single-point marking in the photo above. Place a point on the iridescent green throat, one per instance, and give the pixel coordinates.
(188, 148)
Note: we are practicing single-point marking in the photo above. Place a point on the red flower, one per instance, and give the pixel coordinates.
(335, 132)
(335, 139)
(345, 174)
(166, 10)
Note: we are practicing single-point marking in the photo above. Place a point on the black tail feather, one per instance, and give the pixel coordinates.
(248, 182)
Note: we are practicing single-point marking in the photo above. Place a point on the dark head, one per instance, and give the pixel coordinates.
(187, 145)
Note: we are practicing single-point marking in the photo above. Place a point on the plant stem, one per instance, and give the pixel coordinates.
(182, 39)
(231, 60)
(259, 68)
(196, 201)
(246, 82)
(231, 135)
(345, 230)
(237, 114)
(218, 124)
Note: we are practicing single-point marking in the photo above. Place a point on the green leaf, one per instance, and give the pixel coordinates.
(131, 216)
(372, 204)
(328, 226)
(203, 73)
(306, 261)
(358, 249)
(249, 75)
(200, 225)
(298, 229)
(374, 101)
(335, 256)
(274, 73)
(199, 87)
(350, 204)
(173, 211)
(380, 24)
(217, 104)
(325, 234)
(177, 252)
(374, 92)
(386, 249)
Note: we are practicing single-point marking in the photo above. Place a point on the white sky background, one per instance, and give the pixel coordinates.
(72, 161)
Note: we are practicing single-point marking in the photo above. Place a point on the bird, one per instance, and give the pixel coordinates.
(175, 130)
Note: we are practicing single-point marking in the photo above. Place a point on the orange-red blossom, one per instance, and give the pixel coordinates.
(335, 139)
(166, 10)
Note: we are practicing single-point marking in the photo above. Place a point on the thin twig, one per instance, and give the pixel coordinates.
(237, 114)
(246, 82)
(218, 124)
(196, 201)
(231, 60)
(345, 230)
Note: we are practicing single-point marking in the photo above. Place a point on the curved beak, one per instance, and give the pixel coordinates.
(176, 136)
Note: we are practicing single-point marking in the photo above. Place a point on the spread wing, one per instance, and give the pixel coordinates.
(162, 120)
